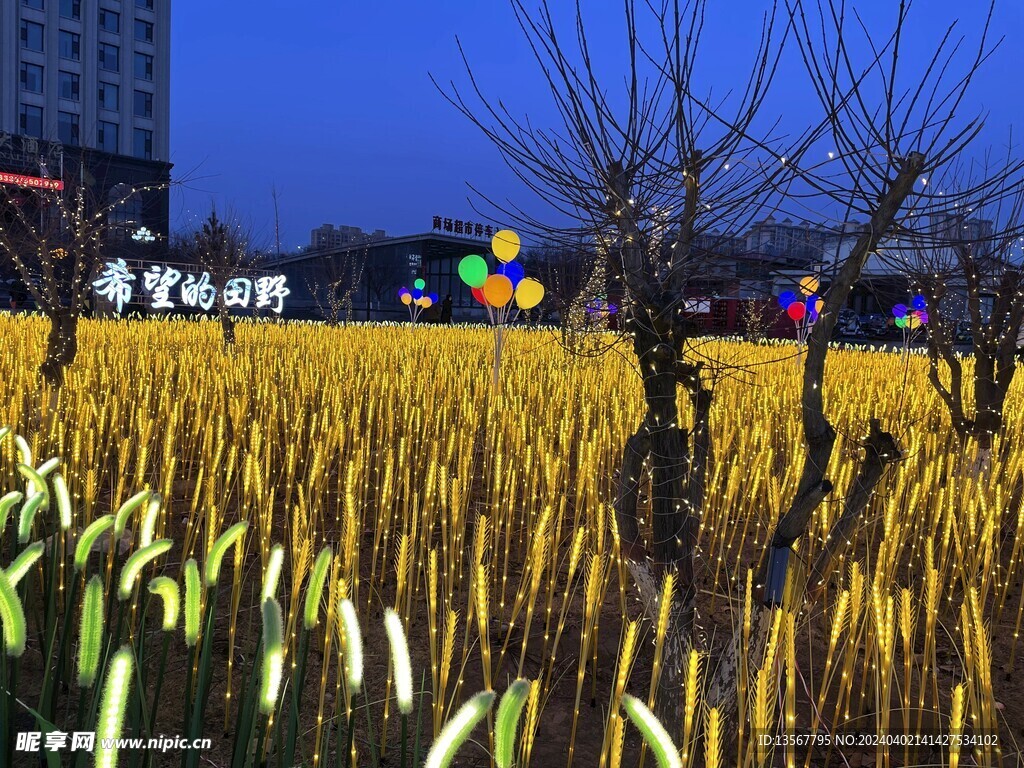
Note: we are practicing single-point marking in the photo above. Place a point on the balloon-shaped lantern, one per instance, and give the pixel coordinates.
(505, 245)
(473, 271)
(911, 319)
(600, 308)
(805, 308)
(496, 291)
(416, 299)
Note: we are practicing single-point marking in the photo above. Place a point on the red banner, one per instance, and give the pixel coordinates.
(37, 182)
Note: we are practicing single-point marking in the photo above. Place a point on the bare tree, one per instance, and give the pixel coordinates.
(383, 278)
(892, 133)
(649, 175)
(224, 248)
(574, 281)
(968, 260)
(334, 281)
(642, 175)
(56, 240)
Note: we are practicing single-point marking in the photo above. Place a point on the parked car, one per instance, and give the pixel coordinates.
(874, 326)
(848, 324)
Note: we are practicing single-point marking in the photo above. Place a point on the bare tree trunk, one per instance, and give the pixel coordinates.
(227, 324)
(988, 404)
(677, 489)
(61, 346)
(880, 450)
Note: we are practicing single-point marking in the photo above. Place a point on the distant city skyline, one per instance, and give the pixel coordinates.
(332, 103)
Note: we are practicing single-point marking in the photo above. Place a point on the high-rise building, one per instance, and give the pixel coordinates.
(85, 89)
(329, 236)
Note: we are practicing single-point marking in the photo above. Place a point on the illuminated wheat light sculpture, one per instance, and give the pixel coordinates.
(496, 291)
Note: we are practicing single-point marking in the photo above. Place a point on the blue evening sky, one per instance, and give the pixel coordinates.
(331, 101)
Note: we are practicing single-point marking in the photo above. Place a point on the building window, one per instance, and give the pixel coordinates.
(109, 57)
(71, 9)
(31, 35)
(147, 4)
(143, 66)
(143, 104)
(37, 4)
(144, 31)
(68, 85)
(125, 210)
(70, 45)
(143, 144)
(106, 136)
(30, 120)
(110, 20)
(31, 78)
(109, 96)
(67, 128)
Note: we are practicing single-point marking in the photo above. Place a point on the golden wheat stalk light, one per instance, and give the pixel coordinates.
(394, 471)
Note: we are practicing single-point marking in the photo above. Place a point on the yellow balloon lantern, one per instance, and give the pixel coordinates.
(505, 245)
(809, 285)
(529, 293)
(407, 299)
(914, 322)
(426, 301)
(819, 305)
(498, 290)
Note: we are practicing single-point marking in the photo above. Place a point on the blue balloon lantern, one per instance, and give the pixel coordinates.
(900, 310)
(919, 303)
(513, 270)
(812, 308)
(417, 293)
(786, 298)
(433, 298)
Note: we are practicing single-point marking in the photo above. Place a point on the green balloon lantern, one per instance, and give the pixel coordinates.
(473, 271)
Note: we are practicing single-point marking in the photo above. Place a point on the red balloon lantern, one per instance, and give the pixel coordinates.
(478, 294)
(796, 311)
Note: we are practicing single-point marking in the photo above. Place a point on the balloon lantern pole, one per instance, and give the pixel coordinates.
(911, 319)
(803, 309)
(496, 291)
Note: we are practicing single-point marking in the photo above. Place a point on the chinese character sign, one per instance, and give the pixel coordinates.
(114, 283)
(165, 287)
(158, 281)
(270, 292)
(237, 292)
(462, 227)
(198, 291)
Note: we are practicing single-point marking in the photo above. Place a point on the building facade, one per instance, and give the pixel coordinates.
(85, 96)
(378, 268)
